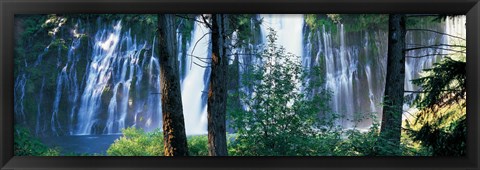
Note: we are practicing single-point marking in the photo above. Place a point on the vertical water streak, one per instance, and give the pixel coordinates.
(39, 111)
(194, 84)
(99, 73)
(342, 76)
(54, 122)
(117, 108)
(154, 100)
(118, 64)
(19, 95)
(73, 86)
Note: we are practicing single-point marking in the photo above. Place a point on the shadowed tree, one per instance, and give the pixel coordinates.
(217, 93)
(389, 143)
(175, 139)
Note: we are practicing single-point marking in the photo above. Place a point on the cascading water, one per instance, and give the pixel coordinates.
(19, 95)
(68, 81)
(115, 59)
(98, 75)
(288, 28)
(115, 84)
(39, 109)
(356, 73)
(195, 83)
(108, 79)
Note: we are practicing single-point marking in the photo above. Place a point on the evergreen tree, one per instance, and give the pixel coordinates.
(279, 119)
(389, 141)
(441, 123)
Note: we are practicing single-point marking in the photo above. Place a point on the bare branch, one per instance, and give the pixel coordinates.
(201, 65)
(439, 45)
(423, 15)
(427, 55)
(425, 47)
(189, 18)
(196, 43)
(436, 32)
(201, 58)
(204, 60)
(206, 22)
(407, 91)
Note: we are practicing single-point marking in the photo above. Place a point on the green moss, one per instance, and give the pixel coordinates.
(317, 22)
(362, 22)
(185, 25)
(425, 22)
(372, 46)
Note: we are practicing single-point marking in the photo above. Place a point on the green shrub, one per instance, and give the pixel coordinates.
(136, 142)
(280, 120)
(198, 145)
(27, 145)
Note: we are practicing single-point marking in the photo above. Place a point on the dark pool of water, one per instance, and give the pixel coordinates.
(89, 144)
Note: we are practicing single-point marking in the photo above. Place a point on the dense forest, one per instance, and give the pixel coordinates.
(240, 85)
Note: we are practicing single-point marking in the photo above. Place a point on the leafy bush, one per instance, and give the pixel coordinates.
(136, 142)
(198, 145)
(27, 145)
(329, 142)
(279, 119)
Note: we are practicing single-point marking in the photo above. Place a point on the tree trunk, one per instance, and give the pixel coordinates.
(217, 93)
(394, 86)
(175, 139)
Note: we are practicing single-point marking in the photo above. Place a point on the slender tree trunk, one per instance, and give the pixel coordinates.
(217, 93)
(394, 86)
(175, 139)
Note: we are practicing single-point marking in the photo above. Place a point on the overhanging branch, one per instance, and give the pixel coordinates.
(437, 33)
(196, 43)
(427, 55)
(425, 47)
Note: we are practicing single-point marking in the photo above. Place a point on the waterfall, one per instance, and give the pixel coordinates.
(288, 28)
(19, 96)
(99, 73)
(106, 100)
(39, 110)
(111, 81)
(120, 84)
(54, 123)
(356, 73)
(195, 83)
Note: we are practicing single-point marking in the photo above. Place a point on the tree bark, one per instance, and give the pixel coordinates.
(217, 93)
(175, 140)
(394, 85)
